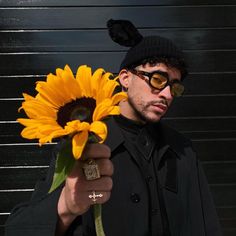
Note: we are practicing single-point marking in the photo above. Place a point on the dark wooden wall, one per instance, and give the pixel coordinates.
(37, 36)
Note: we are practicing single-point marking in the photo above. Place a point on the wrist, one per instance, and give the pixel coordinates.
(65, 216)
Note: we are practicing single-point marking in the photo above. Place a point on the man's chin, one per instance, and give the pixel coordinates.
(153, 119)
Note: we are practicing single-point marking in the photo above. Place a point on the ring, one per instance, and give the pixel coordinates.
(94, 196)
(91, 170)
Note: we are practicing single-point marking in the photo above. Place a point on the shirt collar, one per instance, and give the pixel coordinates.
(168, 137)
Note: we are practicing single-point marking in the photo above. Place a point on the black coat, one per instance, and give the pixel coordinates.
(187, 199)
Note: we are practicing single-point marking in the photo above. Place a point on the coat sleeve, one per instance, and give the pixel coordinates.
(39, 215)
(211, 221)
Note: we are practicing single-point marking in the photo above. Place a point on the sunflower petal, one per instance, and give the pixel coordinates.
(119, 97)
(78, 143)
(100, 129)
(96, 80)
(83, 76)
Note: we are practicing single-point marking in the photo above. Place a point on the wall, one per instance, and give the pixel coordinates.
(37, 36)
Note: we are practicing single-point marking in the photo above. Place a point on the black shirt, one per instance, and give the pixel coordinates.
(145, 144)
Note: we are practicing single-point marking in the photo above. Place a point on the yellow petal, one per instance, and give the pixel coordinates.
(53, 93)
(30, 132)
(52, 134)
(114, 111)
(119, 97)
(102, 110)
(27, 97)
(76, 126)
(83, 76)
(34, 109)
(78, 143)
(100, 129)
(96, 81)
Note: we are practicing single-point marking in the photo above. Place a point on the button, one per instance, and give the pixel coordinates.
(149, 178)
(135, 198)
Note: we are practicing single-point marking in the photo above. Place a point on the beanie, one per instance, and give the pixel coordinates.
(125, 33)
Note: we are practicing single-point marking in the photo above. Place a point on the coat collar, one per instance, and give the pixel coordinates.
(114, 136)
(168, 137)
(171, 143)
(171, 139)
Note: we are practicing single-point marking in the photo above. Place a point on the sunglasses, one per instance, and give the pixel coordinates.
(159, 80)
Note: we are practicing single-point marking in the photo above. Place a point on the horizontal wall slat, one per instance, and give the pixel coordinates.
(201, 134)
(217, 173)
(208, 124)
(25, 155)
(224, 195)
(44, 63)
(210, 84)
(195, 106)
(15, 86)
(69, 3)
(82, 17)
(20, 155)
(229, 231)
(3, 219)
(220, 172)
(225, 134)
(2, 231)
(21, 178)
(195, 84)
(227, 212)
(94, 40)
(185, 106)
(218, 150)
(187, 124)
(10, 199)
(211, 128)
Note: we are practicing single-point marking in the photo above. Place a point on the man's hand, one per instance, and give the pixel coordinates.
(74, 199)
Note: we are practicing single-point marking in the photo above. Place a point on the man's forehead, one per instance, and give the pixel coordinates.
(171, 71)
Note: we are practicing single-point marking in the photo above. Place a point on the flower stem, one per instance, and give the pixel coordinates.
(98, 219)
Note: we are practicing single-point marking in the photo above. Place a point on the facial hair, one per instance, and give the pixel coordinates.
(141, 113)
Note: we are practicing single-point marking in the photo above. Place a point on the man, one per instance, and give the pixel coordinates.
(151, 182)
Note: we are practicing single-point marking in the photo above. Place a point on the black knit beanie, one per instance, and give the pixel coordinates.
(125, 33)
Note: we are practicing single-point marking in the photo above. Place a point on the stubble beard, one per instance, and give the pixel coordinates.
(141, 112)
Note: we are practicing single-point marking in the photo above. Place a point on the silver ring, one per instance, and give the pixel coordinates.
(94, 196)
(91, 170)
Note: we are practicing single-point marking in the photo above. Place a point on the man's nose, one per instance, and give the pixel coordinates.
(166, 93)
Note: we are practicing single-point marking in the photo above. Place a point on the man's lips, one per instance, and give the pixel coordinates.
(161, 106)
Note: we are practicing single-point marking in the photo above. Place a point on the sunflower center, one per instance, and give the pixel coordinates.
(81, 109)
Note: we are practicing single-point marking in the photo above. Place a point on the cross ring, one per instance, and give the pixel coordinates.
(94, 196)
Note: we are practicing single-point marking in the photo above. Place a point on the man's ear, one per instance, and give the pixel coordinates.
(124, 78)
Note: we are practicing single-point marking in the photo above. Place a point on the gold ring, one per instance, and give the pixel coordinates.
(91, 170)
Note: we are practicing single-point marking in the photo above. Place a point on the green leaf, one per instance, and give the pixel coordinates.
(64, 164)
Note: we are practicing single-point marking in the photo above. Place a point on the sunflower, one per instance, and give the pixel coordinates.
(71, 106)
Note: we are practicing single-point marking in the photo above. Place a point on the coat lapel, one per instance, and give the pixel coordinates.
(114, 137)
(170, 149)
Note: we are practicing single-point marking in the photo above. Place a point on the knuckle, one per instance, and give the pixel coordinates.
(106, 196)
(108, 167)
(108, 183)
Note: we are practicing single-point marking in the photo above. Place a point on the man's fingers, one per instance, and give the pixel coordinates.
(96, 151)
(105, 167)
(102, 184)
(98, 197)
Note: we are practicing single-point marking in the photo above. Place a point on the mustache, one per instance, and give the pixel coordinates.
(160, 101)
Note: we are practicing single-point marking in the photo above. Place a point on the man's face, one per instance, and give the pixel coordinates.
(147, 104)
